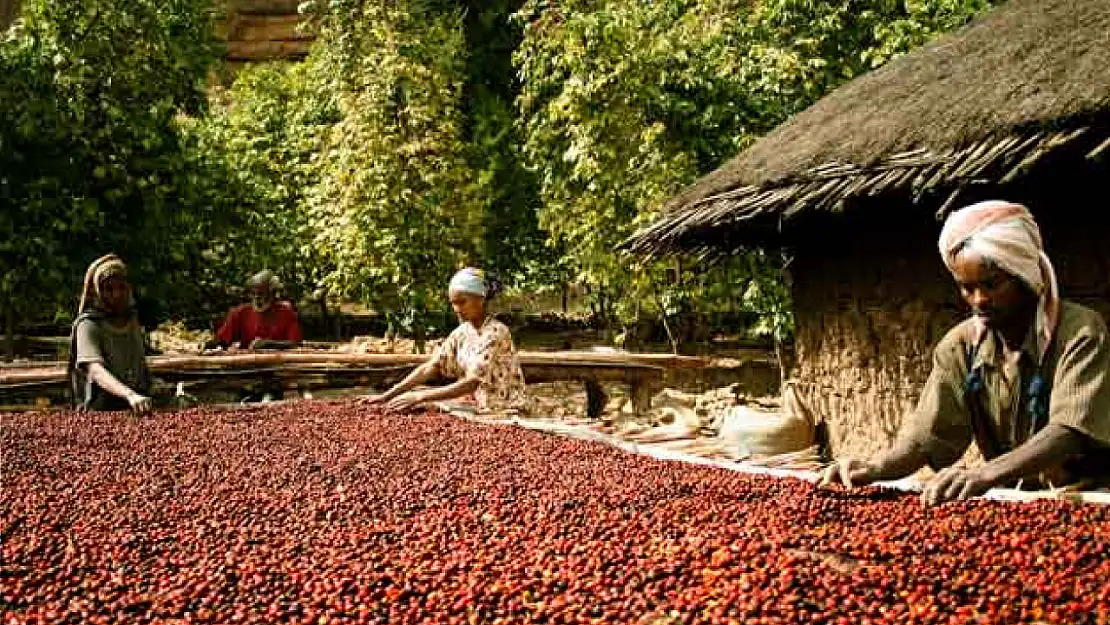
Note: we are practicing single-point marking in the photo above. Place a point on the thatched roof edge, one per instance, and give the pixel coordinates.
(996, 160)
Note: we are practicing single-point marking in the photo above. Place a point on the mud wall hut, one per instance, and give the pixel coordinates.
(1015, 105)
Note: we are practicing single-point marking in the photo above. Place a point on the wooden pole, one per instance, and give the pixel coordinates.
(235, 363)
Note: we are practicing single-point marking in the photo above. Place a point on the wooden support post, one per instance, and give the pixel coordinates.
(595, 399)
(640, 392)
(324, 318)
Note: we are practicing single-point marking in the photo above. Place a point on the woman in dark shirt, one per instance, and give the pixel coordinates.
(107, 363)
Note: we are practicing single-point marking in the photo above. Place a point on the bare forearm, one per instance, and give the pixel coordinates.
(418, 376)
(451, 391)
(1047, 449)
(901, 460)
(103, 378)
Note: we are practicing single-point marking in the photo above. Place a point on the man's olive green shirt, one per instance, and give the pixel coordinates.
(1077, 365)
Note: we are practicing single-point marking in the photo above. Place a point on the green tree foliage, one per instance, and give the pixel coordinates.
(511, 241)
(624, 103)
(530, 136)
(91, 157)
(269, 131)
(796, 51)
(395, 206)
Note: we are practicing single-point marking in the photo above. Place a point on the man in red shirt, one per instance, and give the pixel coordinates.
(264, 323)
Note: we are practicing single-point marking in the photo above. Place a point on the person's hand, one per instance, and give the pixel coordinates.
(405, 401)
(373, 400)
(140, 404)
(257, 344)
(955, 484)
(849, 472)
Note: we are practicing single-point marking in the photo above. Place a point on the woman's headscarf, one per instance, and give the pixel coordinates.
(1006, 234)
(98, 272)
(475, 282)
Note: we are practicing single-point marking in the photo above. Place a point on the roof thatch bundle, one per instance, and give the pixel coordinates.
(982, 105)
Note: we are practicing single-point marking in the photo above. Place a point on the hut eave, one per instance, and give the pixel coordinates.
(759, 215)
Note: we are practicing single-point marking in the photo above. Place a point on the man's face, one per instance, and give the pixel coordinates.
(996, 297)
(115, 294)
(261, 297)
(468, 307)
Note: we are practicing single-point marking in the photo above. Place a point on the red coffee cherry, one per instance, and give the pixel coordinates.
(318, 512)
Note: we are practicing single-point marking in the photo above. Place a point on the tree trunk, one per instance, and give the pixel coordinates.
(419, 337)
(9, 9)
(782, 357)
(671, 337)
(9, 333)
(324, 321)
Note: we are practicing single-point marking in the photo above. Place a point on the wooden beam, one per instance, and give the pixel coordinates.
(264, 7)
(613, 366)
(307, 371)
(239, 28)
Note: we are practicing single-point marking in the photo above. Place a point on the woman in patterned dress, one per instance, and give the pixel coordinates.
(479, 355)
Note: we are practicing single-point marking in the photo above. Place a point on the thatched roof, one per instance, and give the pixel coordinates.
(982, 104)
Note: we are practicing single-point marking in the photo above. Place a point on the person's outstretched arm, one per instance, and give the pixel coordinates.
(412, 399)
(103, 378)
(901, 460)
(416, 377)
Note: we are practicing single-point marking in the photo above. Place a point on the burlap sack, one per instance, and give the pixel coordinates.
(757, 432)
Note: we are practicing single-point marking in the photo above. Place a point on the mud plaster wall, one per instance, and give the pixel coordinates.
(871, 302)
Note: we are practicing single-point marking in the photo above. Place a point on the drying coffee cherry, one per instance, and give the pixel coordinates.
(331, 513)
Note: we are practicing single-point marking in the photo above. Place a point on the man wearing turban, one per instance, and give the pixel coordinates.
(1027, 377)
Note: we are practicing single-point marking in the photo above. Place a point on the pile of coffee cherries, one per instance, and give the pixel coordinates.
(325, 513)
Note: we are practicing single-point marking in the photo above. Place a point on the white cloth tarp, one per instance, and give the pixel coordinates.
(660, 452)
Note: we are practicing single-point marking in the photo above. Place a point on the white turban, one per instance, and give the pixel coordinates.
(1006, 234)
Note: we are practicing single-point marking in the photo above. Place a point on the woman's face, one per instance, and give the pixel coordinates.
(115, 294)
(469, 307)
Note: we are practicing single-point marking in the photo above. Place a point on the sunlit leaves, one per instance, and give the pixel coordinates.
(624, 103)
(92, 157)
(395, 207)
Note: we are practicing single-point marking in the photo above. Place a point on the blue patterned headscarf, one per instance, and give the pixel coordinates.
(480, 282)
(470, 280)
